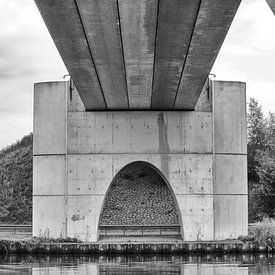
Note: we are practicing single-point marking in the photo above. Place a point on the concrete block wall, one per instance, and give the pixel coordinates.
(49, 159)
(230, 160)
(77, 154)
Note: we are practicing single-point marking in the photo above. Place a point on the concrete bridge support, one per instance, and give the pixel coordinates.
(201, 154)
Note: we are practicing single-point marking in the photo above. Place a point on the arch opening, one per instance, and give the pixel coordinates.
(139, 203)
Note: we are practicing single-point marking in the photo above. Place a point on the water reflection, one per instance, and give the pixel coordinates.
(137, 264)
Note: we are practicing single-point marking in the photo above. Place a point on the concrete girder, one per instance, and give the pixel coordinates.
(176, 20)
(63, 22)
(213, 22)
(271, 3)
(138, 28)
(101, 22)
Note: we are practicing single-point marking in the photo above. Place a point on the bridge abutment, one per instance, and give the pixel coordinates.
(200, 154)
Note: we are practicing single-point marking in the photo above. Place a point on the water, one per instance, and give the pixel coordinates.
(187, 265)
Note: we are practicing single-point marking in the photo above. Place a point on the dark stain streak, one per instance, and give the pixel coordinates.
(149, 25)
(163, 145)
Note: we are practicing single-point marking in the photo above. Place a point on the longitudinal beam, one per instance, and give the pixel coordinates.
(101, 23)
(271, 3)
(64, 24)
(212, 25)
(176, 21)
(138, 27)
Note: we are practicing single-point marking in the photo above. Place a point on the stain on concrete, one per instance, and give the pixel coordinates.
(149, 25)
(163, 145)
(77, 218)
(135, 80)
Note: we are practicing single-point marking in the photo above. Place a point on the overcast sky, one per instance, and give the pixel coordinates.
(28, 55)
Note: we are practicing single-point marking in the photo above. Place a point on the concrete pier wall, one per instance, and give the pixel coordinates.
(201, 156)
(230, 160)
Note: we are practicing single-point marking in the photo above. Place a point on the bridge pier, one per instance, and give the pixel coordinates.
(201, 155)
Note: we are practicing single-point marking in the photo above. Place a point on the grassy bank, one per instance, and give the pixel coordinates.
(262, 233)
(261, 238)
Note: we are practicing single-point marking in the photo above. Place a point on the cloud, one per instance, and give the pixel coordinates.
(248, 53)
(27, 55)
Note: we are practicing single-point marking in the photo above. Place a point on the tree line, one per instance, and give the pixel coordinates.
(16, 182)
(261, 162)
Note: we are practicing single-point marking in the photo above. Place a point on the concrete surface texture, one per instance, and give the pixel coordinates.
(147, 54)
(200, 155)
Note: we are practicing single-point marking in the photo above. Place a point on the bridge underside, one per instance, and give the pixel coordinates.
(271, 3)
(146, 54)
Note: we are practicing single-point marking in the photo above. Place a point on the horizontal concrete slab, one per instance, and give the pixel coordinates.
(140, 132)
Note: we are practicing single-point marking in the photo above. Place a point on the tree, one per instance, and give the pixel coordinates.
(256, 136)
(16, 182)
(266, 185)
(261, 162)
(271, 131)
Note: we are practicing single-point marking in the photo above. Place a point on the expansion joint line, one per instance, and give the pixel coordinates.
(187, 53)
(89, 47)
(122, 49)
(155, 52)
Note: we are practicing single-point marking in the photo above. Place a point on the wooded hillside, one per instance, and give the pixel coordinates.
(16, 182)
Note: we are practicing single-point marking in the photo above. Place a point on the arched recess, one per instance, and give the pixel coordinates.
(139, 198)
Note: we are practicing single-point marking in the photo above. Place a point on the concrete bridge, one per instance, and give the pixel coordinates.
(144, 140)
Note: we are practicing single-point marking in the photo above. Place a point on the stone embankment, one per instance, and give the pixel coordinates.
(139, 196)
(131, 247)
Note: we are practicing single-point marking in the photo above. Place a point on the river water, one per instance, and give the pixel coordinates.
(136, 264)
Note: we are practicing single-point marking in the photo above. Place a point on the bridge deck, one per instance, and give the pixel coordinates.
(147, 54)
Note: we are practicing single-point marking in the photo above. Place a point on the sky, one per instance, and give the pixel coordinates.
(28, 55)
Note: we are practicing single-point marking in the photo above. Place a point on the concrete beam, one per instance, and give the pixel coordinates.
(176, 20)
(50, 111)
(213, 22)
(138, 27)
(147, 54)
(101, 23)
(63, 22)
(271, 3)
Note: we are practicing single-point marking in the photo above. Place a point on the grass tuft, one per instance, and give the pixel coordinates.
(263, 233)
